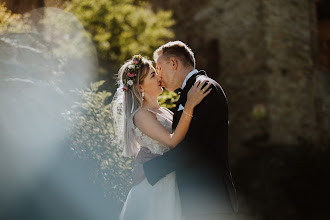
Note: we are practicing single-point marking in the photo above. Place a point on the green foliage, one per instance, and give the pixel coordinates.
(168, 99)
(121, 29)
(91, 132)
(10, 22)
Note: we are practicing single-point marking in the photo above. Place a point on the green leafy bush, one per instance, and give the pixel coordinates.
(10, 22)
(168, 99)
(121, 29)
(91, 133)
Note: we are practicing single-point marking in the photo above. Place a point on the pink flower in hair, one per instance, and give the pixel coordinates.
(125, 88)
(130, 74)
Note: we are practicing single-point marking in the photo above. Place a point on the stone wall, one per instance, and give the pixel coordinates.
(260, 51)
(291, 75)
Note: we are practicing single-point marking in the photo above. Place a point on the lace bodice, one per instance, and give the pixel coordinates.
(154, 146)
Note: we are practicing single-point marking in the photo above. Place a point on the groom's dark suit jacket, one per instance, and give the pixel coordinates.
(201, 159)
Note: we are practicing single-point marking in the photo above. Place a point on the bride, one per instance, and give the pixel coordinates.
(146, 124)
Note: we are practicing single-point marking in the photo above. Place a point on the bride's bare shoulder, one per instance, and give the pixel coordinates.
(142, 116)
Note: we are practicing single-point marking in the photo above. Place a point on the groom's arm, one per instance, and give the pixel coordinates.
(194, 145)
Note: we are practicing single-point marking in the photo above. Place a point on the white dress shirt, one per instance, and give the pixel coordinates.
(188, 76)
(184, 84)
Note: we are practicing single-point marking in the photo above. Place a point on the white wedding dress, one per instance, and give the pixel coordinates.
(158, 202)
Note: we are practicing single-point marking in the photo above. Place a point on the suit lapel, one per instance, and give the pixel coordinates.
(183, 97)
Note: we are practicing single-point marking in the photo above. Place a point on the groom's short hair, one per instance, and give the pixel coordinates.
(176, 49)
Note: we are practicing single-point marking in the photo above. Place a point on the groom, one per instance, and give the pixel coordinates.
(200, 160)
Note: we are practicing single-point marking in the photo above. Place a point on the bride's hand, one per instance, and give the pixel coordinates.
(197, 93)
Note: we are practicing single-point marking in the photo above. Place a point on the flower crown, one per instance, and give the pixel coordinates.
(132, 71)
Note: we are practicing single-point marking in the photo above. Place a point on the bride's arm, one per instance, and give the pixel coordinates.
(150, 126)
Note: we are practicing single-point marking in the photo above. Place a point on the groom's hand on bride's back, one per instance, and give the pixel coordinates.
(145, 155)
